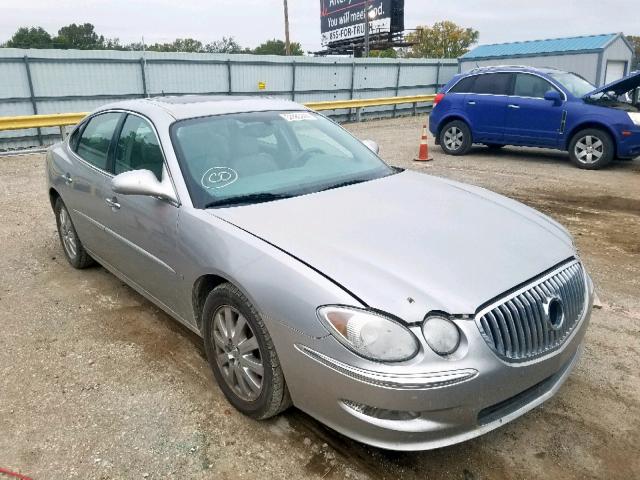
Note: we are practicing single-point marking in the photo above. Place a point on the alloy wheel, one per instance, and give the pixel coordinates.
(453, 138)
(68, 234)
(238, 353)
(589, 149)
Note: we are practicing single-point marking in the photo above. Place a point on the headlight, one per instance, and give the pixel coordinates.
(635, 117)
(441, 335)
(369, 334)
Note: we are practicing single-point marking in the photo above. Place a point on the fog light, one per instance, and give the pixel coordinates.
(441, 335)
(380, 413)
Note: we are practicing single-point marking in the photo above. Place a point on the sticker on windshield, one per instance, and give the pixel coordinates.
(297, 116)
(219, 177)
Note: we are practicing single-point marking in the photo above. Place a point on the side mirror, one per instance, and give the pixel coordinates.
(142, 182)
(373, 146)
(553, 96)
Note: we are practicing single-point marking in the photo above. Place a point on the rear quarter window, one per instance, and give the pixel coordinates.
(464, 86)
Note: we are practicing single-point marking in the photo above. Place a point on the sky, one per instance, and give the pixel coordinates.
(251, 22)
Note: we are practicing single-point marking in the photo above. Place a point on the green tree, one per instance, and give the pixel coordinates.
(30, 37)
(226, 45)
(388, 53)
(82, 37)
(276, 47)
(442, 40)
(179, 45)
(634, 40)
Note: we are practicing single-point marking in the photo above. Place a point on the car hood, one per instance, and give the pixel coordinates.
(411, 243)
(619, 87)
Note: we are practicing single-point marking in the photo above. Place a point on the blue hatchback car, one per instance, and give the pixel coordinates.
(539, 107)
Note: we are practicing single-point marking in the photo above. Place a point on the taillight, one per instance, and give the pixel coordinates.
(438, 98)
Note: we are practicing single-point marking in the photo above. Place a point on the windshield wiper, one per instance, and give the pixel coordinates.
(344, 184)
(247, 199)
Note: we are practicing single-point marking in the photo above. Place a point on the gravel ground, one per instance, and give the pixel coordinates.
(97, 383)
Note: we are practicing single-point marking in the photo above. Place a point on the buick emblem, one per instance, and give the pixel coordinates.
(554, 311)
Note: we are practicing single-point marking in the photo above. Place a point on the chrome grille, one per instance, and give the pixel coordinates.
(518, 327)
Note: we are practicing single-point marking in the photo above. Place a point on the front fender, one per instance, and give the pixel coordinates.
(282, 288)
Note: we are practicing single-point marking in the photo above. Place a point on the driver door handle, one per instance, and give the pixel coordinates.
(516, 107)
(113, 203)
(471, 102)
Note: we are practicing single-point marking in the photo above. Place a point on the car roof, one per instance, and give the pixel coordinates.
(513, 68)
(192, 106)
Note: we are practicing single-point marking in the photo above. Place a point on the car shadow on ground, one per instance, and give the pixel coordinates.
(164, 339)
(546, 156)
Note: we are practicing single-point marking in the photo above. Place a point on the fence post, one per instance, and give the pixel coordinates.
(293, 79)
(415, 109)
(438, 77)
(397, 88)
(229, 75)
(358, 114)
(353, 82)
(143, 73)
(32, 96)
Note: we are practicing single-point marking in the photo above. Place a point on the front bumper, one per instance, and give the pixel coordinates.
(447, 400)
(629, 146)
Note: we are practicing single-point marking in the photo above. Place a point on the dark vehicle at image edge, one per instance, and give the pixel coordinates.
(539, 107)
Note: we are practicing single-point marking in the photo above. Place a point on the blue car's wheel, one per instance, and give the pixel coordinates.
(455, 138)
(591, 149)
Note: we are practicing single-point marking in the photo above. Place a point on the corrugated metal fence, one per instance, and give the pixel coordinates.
(59, 81)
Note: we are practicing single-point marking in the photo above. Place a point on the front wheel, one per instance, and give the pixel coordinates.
(591, 149)
(455, 138)
(241, 354)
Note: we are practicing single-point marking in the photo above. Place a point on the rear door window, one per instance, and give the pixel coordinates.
(93, 145)
(493, 84)
(531, 86)
(138, 148)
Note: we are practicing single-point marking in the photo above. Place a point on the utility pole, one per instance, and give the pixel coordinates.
(287, 42)
(366, 28)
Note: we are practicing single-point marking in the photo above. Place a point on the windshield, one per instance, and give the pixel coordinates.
(255, 157)
(578, 86)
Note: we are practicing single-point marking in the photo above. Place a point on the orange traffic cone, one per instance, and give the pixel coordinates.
(423, 153)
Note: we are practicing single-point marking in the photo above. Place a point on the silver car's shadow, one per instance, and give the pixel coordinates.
(457, 461)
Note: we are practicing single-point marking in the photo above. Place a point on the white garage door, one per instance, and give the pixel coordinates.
(615, 71)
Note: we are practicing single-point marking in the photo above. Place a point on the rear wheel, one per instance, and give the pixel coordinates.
(591, 149)
(75, 253)
(455, 138)
(241, 354)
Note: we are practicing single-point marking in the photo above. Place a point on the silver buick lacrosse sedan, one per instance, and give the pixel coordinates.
(403, 310)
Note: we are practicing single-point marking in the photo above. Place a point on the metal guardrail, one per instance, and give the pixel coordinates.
(65, 119)
(40, 121)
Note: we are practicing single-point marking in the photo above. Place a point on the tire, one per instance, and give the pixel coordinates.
(591, 149)
(72, 247)
(494, 146)
(226, 305)
(455, 138)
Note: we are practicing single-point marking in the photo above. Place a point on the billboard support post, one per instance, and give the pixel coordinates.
(366, 28)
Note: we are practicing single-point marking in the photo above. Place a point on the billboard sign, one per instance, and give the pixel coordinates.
(342, 20)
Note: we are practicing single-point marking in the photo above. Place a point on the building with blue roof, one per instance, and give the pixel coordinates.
(598, 58)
